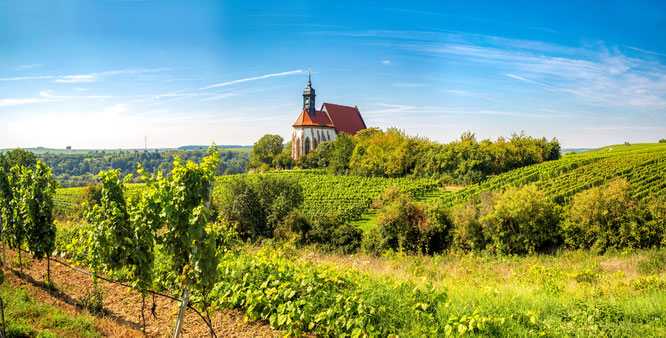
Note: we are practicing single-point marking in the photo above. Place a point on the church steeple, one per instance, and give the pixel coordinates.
(309, 96)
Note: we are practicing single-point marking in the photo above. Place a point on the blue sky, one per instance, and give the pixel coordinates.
(104, 74)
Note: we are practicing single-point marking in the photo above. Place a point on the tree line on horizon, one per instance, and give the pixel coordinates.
(75, 170)
(393, 153)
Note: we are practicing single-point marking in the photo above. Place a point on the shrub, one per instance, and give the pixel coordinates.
(332, 235)
(467, 231)
(90, 196)
(371, 242)
(257, 205)
(294, 226)
(521, 221)
(604, 217)
(407, 225)
(663, 140)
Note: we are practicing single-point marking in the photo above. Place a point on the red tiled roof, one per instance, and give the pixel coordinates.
(345, 119)
(320, 119)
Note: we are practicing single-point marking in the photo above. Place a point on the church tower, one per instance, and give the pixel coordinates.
(316, 126)
(309, 97)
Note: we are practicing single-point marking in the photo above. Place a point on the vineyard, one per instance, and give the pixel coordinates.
(644, 166)
(347, 197)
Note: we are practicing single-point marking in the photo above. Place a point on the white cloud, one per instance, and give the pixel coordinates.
(252, 79)
(386, 62)
(77, 78)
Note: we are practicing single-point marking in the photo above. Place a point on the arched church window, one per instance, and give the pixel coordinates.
(307, 146)
(298, 147)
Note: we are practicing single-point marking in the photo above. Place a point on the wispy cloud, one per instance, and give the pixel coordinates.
(386, 62)
(644, 50)
(395, 110)
(408, 85)
(30, 66)
(252, 79)
(17, 102)
(19, 78)
(77, 78)
(456, 92)
(48, 94)
(92, 77)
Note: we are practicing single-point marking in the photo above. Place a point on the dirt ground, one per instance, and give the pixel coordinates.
(122, 305)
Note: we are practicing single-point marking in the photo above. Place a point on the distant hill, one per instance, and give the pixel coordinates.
(574, 150)
(232, 147)
(59, 151)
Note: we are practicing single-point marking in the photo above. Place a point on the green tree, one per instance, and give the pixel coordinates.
(20, 157)
(341, 154)
(604, 217)
(265, 150)
(284, 160)
(257, 205)
(521, 221)
(407, 225)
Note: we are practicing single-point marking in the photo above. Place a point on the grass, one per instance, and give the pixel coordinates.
(569, 293)
(26, 317)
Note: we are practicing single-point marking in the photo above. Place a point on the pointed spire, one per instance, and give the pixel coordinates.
(309, 79)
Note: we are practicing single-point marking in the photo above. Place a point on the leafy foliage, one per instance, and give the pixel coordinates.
(112, 233)
(40, 229)
(414, 227)
(188, 238)
(265, 150)
(607, 216)
(522, 220)
(257, 205)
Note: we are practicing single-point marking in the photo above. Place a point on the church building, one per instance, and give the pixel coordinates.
(315, 126)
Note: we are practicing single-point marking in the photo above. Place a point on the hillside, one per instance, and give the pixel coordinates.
(643, 165)
(350, 197)
(346, 196)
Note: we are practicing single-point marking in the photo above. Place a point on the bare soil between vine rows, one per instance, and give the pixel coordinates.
(122, 317)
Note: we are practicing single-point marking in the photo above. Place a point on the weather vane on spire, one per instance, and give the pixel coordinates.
(309, 74)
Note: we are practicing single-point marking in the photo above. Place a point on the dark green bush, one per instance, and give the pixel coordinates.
(332, 235)
(406, 225)
(294, 226)
(257, 205)
(522, 220)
